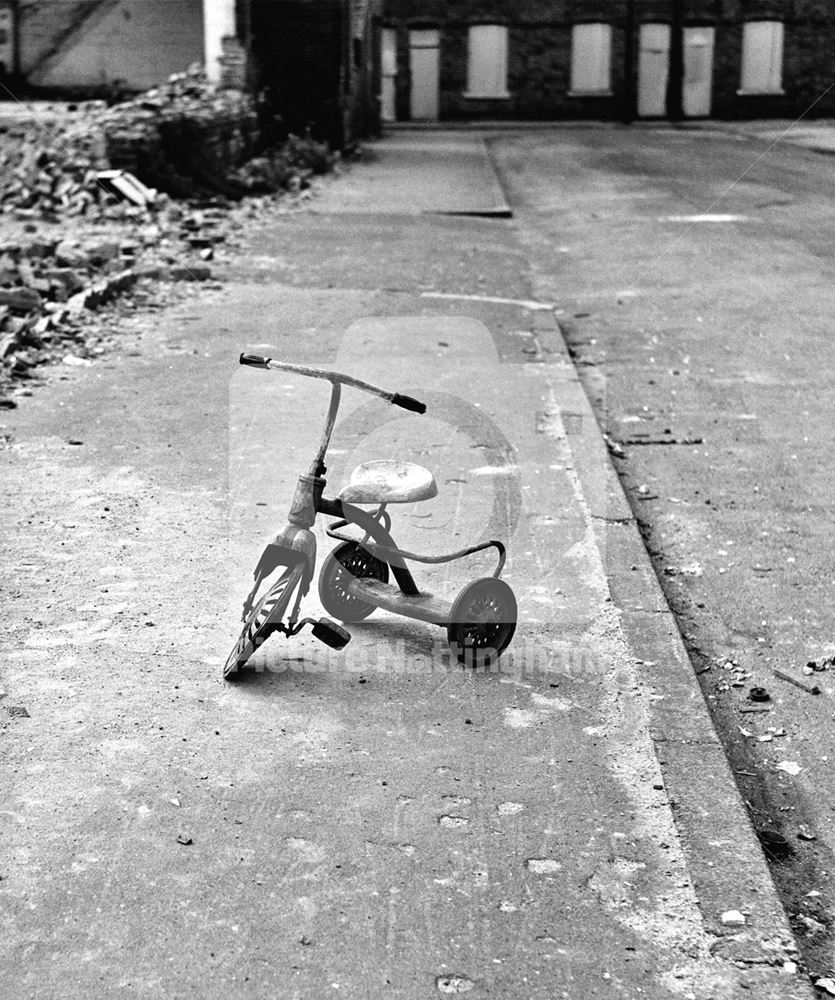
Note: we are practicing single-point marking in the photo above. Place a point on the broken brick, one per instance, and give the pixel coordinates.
(21, 299)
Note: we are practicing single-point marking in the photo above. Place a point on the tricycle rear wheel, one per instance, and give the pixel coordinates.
(482, 622)
(349, 561)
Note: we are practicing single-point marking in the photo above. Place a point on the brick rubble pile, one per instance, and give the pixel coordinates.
(49, 284)
(86, 239)
(50, 175)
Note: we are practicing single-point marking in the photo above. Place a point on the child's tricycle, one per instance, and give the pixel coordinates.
(354, 580)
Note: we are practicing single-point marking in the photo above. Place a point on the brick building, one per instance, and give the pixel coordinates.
(337, 65)
(606, 59)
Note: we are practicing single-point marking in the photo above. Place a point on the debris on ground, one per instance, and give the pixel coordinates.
(804, 833)
(644, 438)
(691, 569)
(809, 689)
(733, 918)
(767, 737)
(819, 665)
(826, 983)
(811, 925)
(50, 289)
(773, 843)
(613, 446)
(788, 767)
(126, 187)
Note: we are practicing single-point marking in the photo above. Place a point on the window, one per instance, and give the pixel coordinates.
(591, 59)
(487, 63)
(762, 57)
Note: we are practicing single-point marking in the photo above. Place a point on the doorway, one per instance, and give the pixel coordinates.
(388, 74)
(653, 70)
(698, 72)
(424, 65)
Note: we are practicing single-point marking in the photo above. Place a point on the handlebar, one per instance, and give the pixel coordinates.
(407, 402)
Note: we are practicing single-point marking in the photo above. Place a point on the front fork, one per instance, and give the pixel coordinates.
(292, 546)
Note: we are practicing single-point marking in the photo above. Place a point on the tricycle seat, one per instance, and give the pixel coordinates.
(389, 481)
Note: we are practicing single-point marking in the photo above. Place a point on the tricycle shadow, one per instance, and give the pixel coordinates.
(384, 649)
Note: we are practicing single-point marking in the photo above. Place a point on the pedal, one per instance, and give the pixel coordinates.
(331, 634)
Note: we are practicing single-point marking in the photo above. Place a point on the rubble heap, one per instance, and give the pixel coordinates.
(43, 289)
(49, 285)
(100, 168)
(51, 174)
(185, 138)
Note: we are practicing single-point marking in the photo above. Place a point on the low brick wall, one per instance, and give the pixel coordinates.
(179, 148)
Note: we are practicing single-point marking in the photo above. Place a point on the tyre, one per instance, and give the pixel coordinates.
(262, 622)
(349, 561)
(482, 622)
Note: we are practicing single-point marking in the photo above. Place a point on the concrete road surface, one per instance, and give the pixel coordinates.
(695, 271)
(380, 822)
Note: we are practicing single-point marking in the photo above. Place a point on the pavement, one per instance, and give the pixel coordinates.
(377, 822)
(456, 177)
(817, 135)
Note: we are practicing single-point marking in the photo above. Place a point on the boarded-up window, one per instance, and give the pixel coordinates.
(591, 58)
(487, 63)
(762, 57)
(7, 60)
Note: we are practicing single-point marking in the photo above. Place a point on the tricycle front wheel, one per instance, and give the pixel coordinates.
(262, 622)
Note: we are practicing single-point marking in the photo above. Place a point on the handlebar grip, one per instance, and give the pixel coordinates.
(408, 403)
(255, 360)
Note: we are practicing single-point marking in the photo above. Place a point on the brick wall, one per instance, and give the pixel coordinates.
(808, 58)
(363, 74)
(539, 56)
(317, 60)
